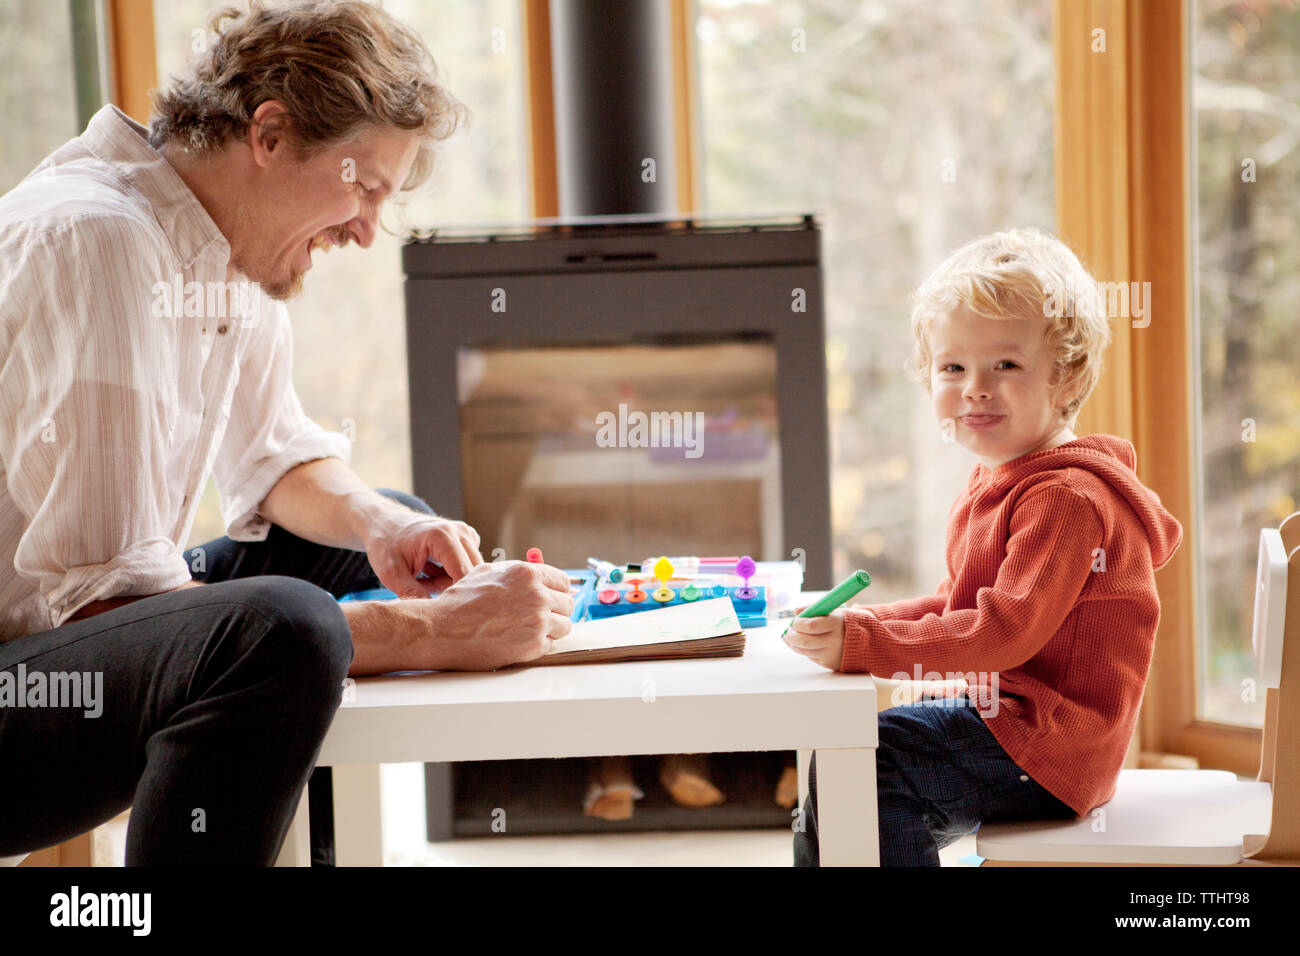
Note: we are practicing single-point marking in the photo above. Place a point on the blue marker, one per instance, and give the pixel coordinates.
(605, 570)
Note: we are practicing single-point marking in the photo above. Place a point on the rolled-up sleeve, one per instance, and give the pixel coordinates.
(84, 389)
(268, 432)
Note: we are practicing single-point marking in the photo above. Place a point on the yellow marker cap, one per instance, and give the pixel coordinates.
(663, 569)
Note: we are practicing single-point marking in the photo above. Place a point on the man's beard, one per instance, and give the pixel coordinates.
(278, 289)
(288, 289)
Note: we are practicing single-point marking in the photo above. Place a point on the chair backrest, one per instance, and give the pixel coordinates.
(1277, 630)
(1269, 630)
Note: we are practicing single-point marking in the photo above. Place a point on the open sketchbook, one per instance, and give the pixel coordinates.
(702, 629)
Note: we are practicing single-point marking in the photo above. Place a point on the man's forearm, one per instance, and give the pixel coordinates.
(390, 636)
(325, 501)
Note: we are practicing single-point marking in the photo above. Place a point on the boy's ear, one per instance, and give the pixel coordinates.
(1063, 393)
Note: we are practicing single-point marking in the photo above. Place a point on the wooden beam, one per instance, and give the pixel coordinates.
(1092, 179)
(541, 109)
(133, 56)
(686, 127)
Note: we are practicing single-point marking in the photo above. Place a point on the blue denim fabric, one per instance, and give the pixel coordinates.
(940, 773)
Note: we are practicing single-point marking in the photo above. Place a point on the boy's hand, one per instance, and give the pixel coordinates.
(820, 639)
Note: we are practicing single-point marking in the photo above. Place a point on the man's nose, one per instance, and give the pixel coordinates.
(363, 229)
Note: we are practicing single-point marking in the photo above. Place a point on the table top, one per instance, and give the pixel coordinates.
(769, 699)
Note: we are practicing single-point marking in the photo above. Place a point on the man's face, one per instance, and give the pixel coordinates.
(296, 208)
(992, 379)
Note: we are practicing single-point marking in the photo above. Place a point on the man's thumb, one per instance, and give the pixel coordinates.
(405, 586)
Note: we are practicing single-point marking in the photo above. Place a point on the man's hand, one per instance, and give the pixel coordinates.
(820, 639)
(441, 549)
(499, 614)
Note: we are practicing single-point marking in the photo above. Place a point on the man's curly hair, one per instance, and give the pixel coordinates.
(338, 66)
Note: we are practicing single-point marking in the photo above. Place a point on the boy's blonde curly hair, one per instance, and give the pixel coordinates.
(1021, 274)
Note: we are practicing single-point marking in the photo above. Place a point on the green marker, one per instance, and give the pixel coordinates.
(845, 590)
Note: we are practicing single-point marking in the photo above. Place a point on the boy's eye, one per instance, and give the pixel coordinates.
(954, 367)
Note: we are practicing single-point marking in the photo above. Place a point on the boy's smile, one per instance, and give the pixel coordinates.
(993, 379)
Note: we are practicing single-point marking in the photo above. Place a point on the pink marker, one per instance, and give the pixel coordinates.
(534, 556)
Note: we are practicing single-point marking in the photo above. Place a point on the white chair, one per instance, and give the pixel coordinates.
(1198, 817)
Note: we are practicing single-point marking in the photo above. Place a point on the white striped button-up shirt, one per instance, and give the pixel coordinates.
(125, 380)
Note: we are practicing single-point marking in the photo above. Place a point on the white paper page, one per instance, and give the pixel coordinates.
(682, 622)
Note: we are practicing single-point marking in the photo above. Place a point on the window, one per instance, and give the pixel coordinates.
(1247, 176)
(349, 331)
(855, 111)
(38, 96)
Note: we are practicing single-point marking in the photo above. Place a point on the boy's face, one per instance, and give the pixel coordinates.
(991, 378)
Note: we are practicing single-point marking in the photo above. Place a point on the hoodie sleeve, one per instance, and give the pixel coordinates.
(1049, 556)
(913, 609)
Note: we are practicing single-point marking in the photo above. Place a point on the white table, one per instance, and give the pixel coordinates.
(769, 700)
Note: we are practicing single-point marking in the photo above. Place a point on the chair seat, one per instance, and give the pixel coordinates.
(1155, 817)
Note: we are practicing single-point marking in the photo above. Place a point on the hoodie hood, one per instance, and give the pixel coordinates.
(1111, 459)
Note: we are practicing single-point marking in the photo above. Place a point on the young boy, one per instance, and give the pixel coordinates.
(1049, 610)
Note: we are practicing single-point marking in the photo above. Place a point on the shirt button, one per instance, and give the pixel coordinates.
(222, 329)
(1024, 777)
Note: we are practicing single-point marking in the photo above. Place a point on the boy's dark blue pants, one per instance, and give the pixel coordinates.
(213, 704)
(940, 772)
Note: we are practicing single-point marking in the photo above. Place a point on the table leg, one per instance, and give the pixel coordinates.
(358, 816)
(848, 829)
(801, 760)
(296, 849)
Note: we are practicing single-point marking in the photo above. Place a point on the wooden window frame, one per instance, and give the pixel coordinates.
(1123, 148)
(133, 56)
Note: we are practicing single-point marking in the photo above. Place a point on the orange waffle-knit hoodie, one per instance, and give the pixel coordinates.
(1027, 598)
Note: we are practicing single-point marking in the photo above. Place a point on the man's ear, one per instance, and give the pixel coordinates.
(268, 130)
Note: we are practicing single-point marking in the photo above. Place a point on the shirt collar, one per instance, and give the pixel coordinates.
(120, 141)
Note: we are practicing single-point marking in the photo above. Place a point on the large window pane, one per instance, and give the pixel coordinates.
(349, 331)
(1247, 87)
(37, 85)
(910, 128)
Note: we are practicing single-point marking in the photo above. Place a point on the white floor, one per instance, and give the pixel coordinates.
(405, 843)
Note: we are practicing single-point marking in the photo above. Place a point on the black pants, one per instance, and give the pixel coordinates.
(212, 705)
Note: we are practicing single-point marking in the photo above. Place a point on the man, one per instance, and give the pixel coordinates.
(144, 345)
